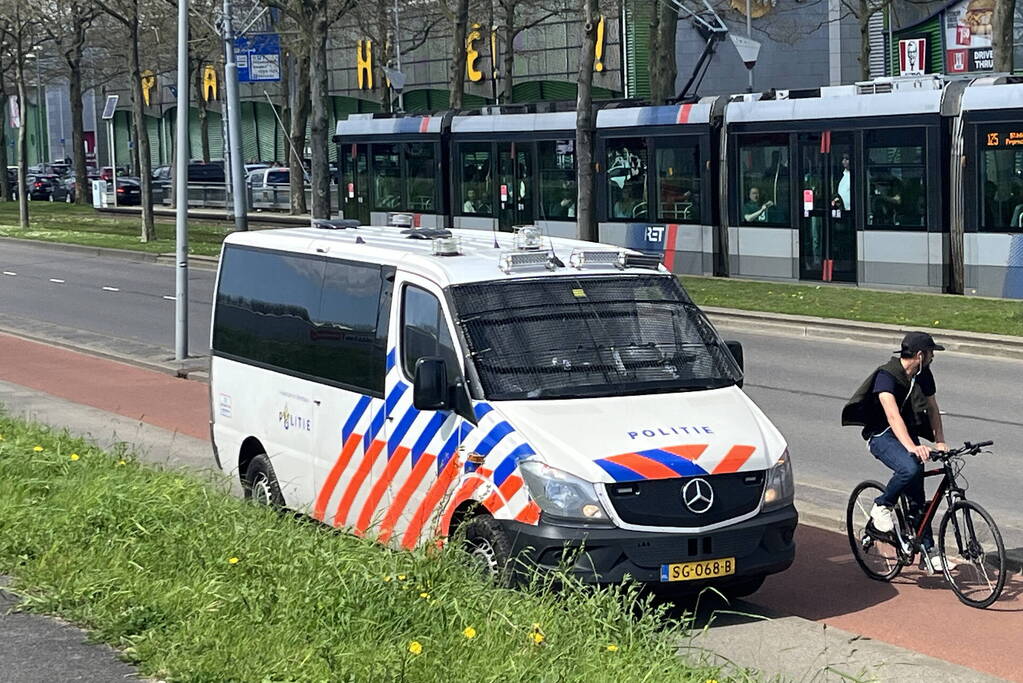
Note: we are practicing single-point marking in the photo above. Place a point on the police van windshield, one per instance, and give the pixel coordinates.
(566, 337)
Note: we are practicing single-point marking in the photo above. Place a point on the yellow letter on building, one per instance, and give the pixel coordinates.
(209, 83)
(148, 83)
(472, 55)
(364, 64)
(598, 65)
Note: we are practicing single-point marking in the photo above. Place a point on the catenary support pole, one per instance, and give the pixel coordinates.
(181, 159)
(240, 199)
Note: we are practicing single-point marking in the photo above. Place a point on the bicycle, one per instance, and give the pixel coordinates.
(969, 544)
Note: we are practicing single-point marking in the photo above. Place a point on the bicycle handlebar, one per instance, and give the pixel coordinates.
(966, 449)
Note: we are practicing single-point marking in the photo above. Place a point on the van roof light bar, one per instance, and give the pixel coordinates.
(588, 258)
(528, 238)
(524, 260)
(447, 245)
(338, 224)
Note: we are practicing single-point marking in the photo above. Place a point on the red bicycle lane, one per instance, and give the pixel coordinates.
(916, 611)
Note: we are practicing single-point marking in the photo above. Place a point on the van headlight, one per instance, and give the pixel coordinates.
(561, 494)
(780, 488)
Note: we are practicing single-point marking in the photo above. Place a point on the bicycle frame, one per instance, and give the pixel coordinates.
(948, 489)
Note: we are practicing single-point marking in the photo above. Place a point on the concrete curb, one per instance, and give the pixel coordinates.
(974, 343)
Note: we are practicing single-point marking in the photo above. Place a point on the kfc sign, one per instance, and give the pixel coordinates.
(912, 56)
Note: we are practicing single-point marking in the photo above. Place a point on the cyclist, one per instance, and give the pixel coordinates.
(896, 407)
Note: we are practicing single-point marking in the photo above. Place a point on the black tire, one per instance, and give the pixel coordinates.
(968, 536)
(489, 546)
(260, 483)
(878, 560)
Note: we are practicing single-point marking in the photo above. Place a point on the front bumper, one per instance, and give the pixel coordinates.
(761, 545)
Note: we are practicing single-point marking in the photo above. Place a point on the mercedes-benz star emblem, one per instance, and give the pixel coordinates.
(698, 495)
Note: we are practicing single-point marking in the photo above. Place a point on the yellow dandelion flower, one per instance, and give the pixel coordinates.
(936, 322)
(121, 462)
(424, 596)
(233, 560)
(536, 637)
(712, 680)
(401, 577)
(612, 648)
(387, 579)
(469, 632)
(1, 437)
(38, 449)
(415, 647)
(74, 457)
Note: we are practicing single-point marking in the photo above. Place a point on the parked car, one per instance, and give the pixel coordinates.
(46, 188)
(71, 186)
(129, 191)
(206, 174)
(107, 173)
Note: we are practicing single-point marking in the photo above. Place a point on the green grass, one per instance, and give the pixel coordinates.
(59, 222)
(144, 559)
(947, 311)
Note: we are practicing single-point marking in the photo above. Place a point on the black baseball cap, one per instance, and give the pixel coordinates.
(914, 342)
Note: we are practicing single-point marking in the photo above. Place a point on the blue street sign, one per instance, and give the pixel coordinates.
(258, 57)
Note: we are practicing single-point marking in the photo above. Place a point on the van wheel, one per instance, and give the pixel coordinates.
(260, 483)
(489, 547)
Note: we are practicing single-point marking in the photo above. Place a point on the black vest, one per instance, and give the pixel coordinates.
(865, 409)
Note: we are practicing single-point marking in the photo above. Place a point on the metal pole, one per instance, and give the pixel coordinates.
(749, 34)
(39, 112)
(241, 217)
(397, 54)
(181, 190)
(113, 156)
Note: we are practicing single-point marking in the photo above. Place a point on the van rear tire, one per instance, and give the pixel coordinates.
(260, 483)
(489, 547)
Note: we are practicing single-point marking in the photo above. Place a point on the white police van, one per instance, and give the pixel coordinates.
(547, 394)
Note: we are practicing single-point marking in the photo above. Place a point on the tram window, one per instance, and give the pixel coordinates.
(421, 162)
(1002, 187)
(557, 178)
(678, 182)
(764, 180)
(896, 185)
(477, 185)
(626, 178)
(386, 178)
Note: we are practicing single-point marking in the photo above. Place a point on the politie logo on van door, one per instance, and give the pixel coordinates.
(670, 430)
(293, 422)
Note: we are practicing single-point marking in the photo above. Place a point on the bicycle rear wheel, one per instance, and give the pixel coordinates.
(878, 559)
(969, 538)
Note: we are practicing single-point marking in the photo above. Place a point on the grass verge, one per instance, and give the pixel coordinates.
(195, 585)
(69, 223)
(947, 311)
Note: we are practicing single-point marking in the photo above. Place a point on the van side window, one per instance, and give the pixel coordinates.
(304, 315)
(425, 332)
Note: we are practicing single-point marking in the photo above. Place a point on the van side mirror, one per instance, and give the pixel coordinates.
(430, 390)
(735, 348)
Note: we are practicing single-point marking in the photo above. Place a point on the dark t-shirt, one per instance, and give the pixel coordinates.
(885, 383)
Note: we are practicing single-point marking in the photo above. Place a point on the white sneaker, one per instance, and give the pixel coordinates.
(933, 564)
(882, 518)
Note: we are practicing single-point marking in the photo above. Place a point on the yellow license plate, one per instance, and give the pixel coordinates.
(692, 571)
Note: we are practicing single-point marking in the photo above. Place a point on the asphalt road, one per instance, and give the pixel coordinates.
(800, 383)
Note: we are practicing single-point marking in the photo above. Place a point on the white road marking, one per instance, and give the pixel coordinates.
(111, 289)
(171, 298)
(8, 272)
(59, 282)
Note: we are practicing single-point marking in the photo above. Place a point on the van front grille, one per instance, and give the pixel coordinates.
(658, 502)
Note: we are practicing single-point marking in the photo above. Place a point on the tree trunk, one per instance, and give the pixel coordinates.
(1001, 39)
(299, 120)
(82, 190)
(5, 189)
(865, 14)
(202, 112)
(457, 76)
(507, 43)
(141, 139)
(584, 123)
(22, 140)
(320, 170)
(663, 66)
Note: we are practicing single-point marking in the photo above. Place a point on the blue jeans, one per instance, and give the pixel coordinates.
(907, 478)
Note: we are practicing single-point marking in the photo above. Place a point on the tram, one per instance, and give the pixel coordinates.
(908, 183)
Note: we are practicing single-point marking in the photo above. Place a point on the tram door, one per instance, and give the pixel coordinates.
(355, 183)
(827, 230)
(514, 185)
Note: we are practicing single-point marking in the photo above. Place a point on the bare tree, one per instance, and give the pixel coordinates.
(20, 32)
(313, 19)
(458, 13)
(514, 17)
(131, 16)
(662, 61)
(67, 28)
(584, 122)
(204, 48)
(300, 105)
(1002, 38)
(5, 188)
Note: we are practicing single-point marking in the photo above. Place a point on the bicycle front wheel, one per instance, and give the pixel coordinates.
(877, 558)
(973, 554)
